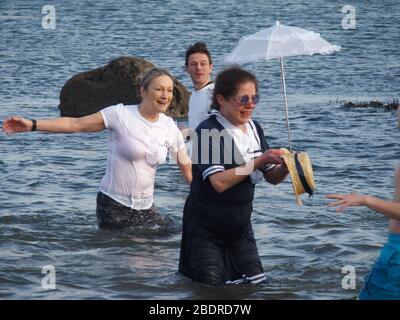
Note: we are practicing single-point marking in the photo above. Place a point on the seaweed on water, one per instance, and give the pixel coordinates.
(394, 105)
(391, 106)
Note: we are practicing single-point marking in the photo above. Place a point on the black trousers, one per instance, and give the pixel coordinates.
(113, 215)
(218, 245)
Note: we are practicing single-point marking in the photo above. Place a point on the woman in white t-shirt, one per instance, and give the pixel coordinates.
(140, 138)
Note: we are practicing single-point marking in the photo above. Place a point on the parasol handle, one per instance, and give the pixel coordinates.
(286, 106)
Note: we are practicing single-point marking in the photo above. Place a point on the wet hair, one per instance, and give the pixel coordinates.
(151, 74)
(228, 81)
(198, 47)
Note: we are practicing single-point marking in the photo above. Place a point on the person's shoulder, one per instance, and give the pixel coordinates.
(114, 106)
(113, 109)
(120, 107)
(260, 130)
(128, 107)
(257, 124)
(209, 123)
(206, 88)
(120, 115)
(209, 88)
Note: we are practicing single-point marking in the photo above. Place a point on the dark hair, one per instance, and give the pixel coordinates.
(198, 47)
(228, 81)
(150, 75)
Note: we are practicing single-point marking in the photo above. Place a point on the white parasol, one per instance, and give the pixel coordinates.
(280, 41)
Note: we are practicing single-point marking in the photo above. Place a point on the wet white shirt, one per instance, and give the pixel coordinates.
(136, 147)
(199, 105)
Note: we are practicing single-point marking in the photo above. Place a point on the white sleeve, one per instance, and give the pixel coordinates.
(111, 116)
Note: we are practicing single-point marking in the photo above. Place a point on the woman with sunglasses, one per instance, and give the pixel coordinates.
(140, 138)
(230, 155)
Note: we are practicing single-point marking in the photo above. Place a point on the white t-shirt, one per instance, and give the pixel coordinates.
(136, 147)
(199, 105)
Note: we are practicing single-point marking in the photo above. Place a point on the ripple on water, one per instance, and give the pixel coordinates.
(49, 182)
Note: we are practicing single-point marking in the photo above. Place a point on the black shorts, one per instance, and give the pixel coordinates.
(113, 215)
(219, 254)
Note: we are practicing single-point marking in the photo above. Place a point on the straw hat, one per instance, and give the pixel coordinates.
(301, 173)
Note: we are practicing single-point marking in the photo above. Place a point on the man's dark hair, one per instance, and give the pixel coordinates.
(198, 47)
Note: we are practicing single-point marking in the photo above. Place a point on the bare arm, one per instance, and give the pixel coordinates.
(185, 165)
(222, 181)
(390, 209)
(277, 175)
(90, 123)
(397, 184)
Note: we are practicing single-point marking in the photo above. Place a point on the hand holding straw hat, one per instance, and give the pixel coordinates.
(301, 173)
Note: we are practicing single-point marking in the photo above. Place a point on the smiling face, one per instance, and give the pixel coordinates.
(158, 94)
(236, 112)
(199, 69)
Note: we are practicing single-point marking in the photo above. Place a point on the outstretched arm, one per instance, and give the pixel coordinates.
(90, 123)
(390, 209)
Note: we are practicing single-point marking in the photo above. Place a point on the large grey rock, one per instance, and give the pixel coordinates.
(117, 82)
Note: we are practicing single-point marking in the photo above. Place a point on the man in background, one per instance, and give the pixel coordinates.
(198, 64)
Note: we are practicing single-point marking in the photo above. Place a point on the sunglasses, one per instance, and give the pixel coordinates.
(246, 99)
